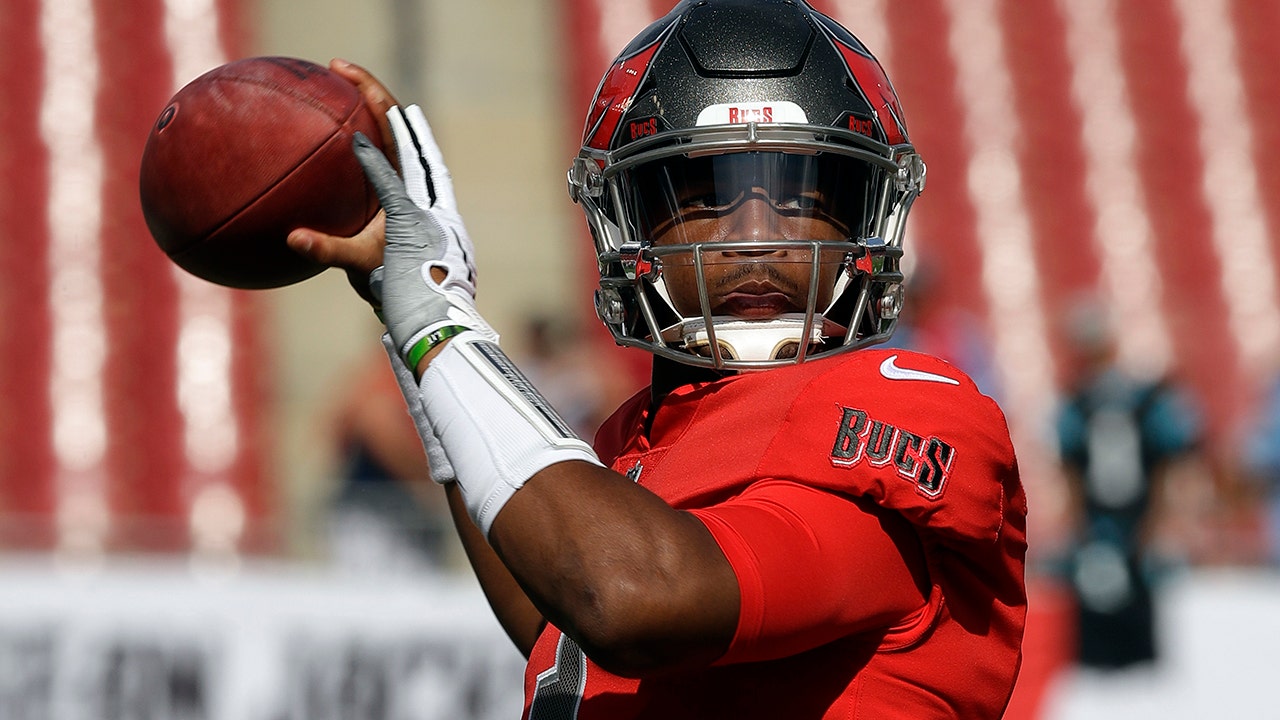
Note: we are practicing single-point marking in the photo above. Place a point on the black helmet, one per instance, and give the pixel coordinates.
(725, 101)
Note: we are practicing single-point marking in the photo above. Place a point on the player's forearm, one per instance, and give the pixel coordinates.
(643, 588)
(517, 615)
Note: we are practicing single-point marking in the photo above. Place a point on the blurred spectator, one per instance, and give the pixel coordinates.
(385, 514)
(1118, 437)
(1262, 462)
(566, 368)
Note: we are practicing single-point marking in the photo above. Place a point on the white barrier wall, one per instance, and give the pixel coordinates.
(270, 643)
(157, 642)
(1219, 644)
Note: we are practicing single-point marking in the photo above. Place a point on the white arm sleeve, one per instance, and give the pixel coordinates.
(494, 426)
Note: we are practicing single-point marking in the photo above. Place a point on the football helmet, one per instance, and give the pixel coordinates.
(746, 176)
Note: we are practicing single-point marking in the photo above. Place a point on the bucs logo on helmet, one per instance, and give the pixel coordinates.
(746, 174)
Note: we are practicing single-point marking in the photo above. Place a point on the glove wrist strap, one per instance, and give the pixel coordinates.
(430, 340)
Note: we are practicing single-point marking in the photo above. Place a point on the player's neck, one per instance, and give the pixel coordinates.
(669, 375)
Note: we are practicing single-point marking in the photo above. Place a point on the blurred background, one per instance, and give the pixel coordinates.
(212, 504)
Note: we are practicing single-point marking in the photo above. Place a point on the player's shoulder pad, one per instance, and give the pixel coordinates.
(909, 431)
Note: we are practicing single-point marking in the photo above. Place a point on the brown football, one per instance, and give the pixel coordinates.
(244, 154)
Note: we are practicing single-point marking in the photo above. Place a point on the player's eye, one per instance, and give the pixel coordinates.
(801, 201)
(708, 199)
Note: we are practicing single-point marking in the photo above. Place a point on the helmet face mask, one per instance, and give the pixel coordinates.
(763, 228)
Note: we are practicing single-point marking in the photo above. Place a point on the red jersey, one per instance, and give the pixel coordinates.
(829, 486)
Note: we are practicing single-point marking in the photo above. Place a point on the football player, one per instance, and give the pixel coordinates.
(786, 523)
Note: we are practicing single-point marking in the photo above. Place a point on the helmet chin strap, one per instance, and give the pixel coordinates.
(776, 338)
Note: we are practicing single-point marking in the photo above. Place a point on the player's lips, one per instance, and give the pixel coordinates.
(754, 299)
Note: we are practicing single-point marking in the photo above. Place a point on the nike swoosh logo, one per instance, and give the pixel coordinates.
(889, 368)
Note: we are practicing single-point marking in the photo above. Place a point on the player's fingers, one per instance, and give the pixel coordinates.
(383, 177)
(376, 95)
(440, 178)
(413, 168)
(358, 254)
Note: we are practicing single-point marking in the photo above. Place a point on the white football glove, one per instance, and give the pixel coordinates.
(428, 183)
(419, 312)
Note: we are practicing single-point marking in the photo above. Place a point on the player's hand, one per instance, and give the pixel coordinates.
(429, 184)
(377, 97)
(426, 294)
(359, 254)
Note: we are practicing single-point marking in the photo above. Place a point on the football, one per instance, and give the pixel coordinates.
(244, 154)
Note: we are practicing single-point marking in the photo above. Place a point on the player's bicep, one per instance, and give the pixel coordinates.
(814, 566)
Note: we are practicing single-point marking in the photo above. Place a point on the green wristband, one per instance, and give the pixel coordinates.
(429, 342)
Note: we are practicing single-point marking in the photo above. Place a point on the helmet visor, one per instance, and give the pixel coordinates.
(752, 196)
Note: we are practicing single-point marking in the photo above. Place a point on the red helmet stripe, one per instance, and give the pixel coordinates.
(614, 97)
(880, 95)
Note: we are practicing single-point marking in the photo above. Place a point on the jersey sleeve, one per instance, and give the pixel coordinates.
(813, 566)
